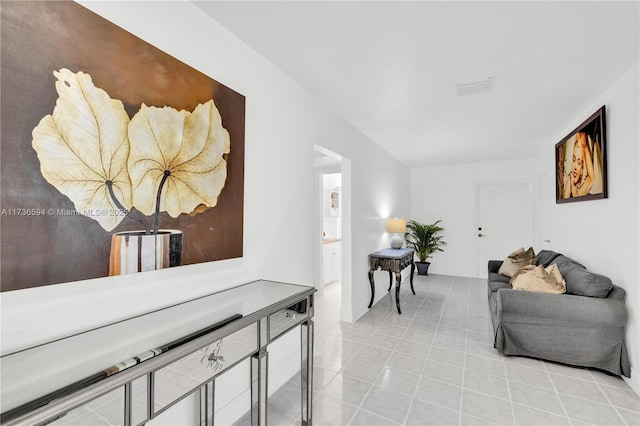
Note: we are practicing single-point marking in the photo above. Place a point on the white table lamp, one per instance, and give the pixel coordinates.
(396, 227)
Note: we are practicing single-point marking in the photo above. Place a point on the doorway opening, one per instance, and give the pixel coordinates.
(332, 250)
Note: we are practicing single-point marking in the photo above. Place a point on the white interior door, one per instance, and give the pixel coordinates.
(504, 221)
(547, 197)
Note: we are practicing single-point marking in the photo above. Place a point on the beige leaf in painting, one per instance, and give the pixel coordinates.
(83, 148)
(185, 147)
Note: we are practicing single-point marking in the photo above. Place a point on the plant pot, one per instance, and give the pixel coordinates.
(137, 251)
(423, 268)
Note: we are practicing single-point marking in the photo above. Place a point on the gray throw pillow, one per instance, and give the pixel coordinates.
(495, 277)
(565, 263)
(545, 257)
(584, 283)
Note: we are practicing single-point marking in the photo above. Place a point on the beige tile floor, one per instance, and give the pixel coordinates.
(435, 365)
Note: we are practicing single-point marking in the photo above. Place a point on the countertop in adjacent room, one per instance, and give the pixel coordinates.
(331, 240)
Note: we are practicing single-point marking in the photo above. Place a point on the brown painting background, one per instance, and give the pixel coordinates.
(40, 37)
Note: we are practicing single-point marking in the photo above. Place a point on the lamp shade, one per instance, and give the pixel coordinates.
(397, 226)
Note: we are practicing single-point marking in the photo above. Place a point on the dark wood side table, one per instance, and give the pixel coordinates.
(394, 261)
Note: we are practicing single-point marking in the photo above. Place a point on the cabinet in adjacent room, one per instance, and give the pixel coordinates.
(331, 203)
(331, 262)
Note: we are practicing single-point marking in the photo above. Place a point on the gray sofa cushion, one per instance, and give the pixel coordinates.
(580, 281)
(584, 283)
(545, 257)
(565, 263)
(496, 277)
(617, 293)
(497, 285)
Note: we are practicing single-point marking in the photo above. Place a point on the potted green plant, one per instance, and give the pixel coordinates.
(425, 239)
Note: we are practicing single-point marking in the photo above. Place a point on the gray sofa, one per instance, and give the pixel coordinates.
(584, 327)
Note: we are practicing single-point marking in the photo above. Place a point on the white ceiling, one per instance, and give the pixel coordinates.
(390, 67)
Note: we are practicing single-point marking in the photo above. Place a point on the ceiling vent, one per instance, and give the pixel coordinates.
(474, 87)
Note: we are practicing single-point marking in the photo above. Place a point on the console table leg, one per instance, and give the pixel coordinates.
(413, 268)
(207, 398)
(128, 403)
(259, 367)
(151, 394)
(398, 279)
(373, 288)
(390, 279)
(306, 371)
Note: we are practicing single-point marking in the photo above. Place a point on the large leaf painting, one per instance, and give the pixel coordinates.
(163, 160)
(177, 160)
(83, 149)
(87, 190)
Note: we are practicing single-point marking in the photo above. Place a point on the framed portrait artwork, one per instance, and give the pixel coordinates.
(581, 162)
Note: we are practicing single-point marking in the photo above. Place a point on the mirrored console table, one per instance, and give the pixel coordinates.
(138, 361)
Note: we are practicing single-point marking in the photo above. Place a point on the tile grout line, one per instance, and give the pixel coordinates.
(480, 392)
(377, 325)
(506, 376)
(415, 391)
(359, 407)
(464, 362)
(506, 379)
(593, 402)
(375, 414)
(609, 399)
(556, 391)
(322, 392)
(461, 387)
(548, 390)
(364, 397)
(579, 397)
(107, 422)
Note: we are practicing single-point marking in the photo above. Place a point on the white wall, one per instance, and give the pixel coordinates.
(375, 198)
(603, 235)
(283, 121)
(449, 193)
